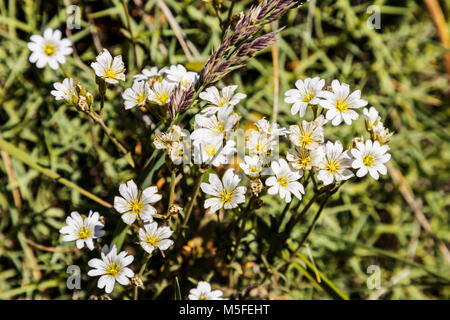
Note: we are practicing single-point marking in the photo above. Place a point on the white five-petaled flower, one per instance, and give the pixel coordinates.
(136, 95)
(374, 124)
(252, 166)
(83, 229)
(111, 267)
(64, 90)
(335, 163)
(307, 135)
(284, 182)
(226, 193)
(149, 73)
(304, 159)
(152, 237)
(370, 157)
(340, 103)
(160, 92)
(261, 144)
(49, 49)
(135, 204)
(172, 141)
(308, 92)
(371, 115)
(214, 125)
(109, 69)
(178, 74)
(213, 151)
(271, 129)
(203, 292)
(220, 99)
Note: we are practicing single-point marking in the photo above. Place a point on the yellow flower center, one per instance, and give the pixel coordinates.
(222, 101)
(49, 49)
(305, 139)
(210, 150)
(152, 240)
(140, 98)
(163, 97)
(226, 196)
(368, 160)
(333, 166)
(84, 233)
(136, 206)
(202, 297)
(253, 169)
(110, 73)
(282, 181)
(342, 105)
(113, 270)
(308, 96)
(219, 129)
(304, 161)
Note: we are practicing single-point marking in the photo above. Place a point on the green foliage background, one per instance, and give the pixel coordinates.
(399, 69)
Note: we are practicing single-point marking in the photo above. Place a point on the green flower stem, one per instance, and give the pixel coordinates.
(141, 272)
(116, 142)
(245, 215)
(28, 160)
(173, 173)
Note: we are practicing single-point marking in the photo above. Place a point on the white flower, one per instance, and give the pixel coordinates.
(214, 125)
(219, 99)
(261, 144)
(271, 129)
(334, 166)
(304, 159)
(160, 92)
(111, 267)
(152, 237)
(203, 292)
(149, 73)
(136, 95)
(370, 157)
(371, 115)
(307, 135)
(172, 141)
(226, 195)
(135, 204)
(252, 166)
(49, 49)
(64, 91)
(109, 69)
(308, 92)
(179, 74)
(382, 134)
(285, 181)
(213, 151)
(83, 229)
(340, 103)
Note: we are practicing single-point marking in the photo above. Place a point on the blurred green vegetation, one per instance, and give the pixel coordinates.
(399, 69)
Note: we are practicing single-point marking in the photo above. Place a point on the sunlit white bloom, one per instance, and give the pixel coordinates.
(160, 92)
(308, 92)
(203, 292)
(108, 68)
(218, 99)
(307, 135)
(226, 193)
(64, 91)
(271, 128)
(382, 134)
(213, 151)
(136, 95)
(334, 166)
(111, 267)
(135, 204)
(149, 73)
(178, 74)
(262, 145)
(370, 157)
(214, 125)
(49, 49)
(172, 141)
(284, 182)
(152, 237)
(340, 103)
(372, 116)
(83, 229)
(252, 166)
(304, 159)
